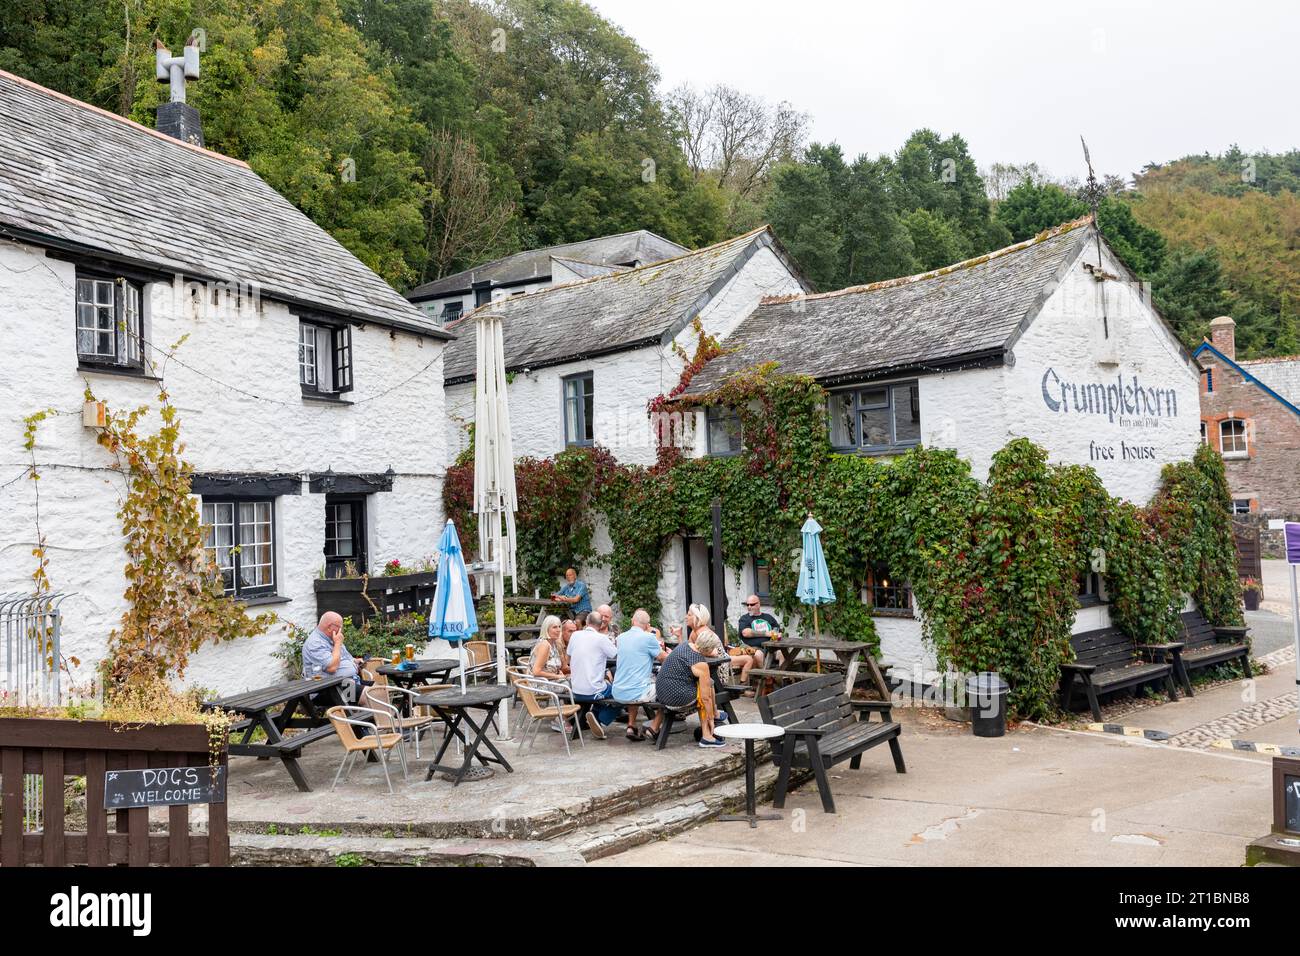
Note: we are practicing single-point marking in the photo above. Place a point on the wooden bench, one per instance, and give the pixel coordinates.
(1107, 660)
(1205, 645)
(823, 727)
(294, 743)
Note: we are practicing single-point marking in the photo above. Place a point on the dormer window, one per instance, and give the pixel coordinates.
(110, 330)
(324, 359)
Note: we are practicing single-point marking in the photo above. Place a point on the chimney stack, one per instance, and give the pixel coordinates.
(1223, 336)
(177, 118)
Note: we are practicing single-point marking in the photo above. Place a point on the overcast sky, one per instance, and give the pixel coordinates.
(1142, 81)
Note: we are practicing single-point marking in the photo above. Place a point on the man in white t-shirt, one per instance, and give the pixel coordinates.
(589, 655)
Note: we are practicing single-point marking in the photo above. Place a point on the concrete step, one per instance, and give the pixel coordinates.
(678, 812)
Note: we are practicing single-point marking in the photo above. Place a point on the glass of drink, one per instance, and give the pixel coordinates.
(397, 657)
(410, 652)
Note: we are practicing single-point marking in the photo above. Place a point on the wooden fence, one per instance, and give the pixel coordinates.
(57, 749)
(388, 596)
(1245, 536)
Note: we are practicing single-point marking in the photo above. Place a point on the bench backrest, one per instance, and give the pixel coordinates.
(1197, 631)
(1108, 647)
(816, 703)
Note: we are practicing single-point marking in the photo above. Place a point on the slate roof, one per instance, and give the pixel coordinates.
(963, 313)
(587, 270)
(1282, 375)
(78, 178)
(641, 246)
(607, 314)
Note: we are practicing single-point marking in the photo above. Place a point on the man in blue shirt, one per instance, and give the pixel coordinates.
(323, 653)
(639, 649)
(574, 593)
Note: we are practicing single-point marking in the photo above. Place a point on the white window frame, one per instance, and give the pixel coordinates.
(113, 307)
(245, 518)
(1242, 437)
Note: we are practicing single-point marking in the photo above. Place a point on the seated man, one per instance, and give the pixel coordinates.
(756, 627)
(639, 649)
(324, 653)
(574, 593)
(589, 655)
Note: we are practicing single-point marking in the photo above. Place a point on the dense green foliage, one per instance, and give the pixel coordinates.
(994, 566)
(359, 111)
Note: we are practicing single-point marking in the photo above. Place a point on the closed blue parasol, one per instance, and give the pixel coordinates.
(452, 616)
(814, 580)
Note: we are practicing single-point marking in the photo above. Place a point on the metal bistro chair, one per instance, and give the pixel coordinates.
(480, 661)
(514, 675)
(421, 720)
(345, 721)
(530, 689)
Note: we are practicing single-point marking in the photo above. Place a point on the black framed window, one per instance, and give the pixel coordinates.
(110, 321)
(876, 417)
(239, 537)
(762, 578)
(451, 312)
(723, 431)
(1241, 506)
(324, 358)
(345, 535)
(579, 409)
(887, 591)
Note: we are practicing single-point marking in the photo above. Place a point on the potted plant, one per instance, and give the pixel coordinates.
(359, 597)
(1250, 593)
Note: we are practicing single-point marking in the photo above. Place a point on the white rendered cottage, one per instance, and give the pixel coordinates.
(309, 391)
(587, 357)
(1052, 339)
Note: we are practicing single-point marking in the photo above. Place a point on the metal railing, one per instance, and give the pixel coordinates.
(30, 629)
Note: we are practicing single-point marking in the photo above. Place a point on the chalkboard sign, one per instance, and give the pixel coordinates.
(163, 787)
(1286, 795)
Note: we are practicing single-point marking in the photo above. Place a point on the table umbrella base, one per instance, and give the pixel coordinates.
(473, 773)
(753, 818)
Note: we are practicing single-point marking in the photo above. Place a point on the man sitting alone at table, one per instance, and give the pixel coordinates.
(589, 655)
(324, 653)
(757, 626)
(574, 593)
(639, 649)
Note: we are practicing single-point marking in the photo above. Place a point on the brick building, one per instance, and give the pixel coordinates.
(1250, 413)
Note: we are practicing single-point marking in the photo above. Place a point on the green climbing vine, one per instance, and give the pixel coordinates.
(994, 566)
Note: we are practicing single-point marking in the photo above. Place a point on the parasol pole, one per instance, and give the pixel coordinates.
(817, 631)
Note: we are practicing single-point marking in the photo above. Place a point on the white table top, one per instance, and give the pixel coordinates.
(749, 731)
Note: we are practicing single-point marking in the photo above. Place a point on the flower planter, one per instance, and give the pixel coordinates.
(389, 596)
(1251, 599)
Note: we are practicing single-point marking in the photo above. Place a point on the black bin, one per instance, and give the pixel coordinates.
(986, 693)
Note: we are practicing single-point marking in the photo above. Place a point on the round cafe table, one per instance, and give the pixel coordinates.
(438, 668)
(749, 733)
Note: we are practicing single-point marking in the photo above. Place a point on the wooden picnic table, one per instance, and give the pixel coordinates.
(517, 649)
(848, 654)
(310, 696)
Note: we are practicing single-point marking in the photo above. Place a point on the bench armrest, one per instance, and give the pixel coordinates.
(1079, 668)
(882, 707)
(1231, 634)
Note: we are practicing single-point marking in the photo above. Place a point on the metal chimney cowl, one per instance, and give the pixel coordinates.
(177, 118)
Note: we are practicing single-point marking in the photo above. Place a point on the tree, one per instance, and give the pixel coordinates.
(803, 211)
(936, 240)
(735, 141)
(1031, 207)
(467, 220)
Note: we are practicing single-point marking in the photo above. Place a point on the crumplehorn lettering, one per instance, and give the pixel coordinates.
(1109, 399)
(73, 909)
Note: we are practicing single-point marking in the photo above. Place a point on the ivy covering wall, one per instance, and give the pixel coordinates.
(994, 566)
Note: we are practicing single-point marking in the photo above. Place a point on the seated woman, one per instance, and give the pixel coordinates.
(548, 660)
(685, 677)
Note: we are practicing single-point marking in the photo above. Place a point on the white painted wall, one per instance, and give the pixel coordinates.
(223, 431)
(1066, 338)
